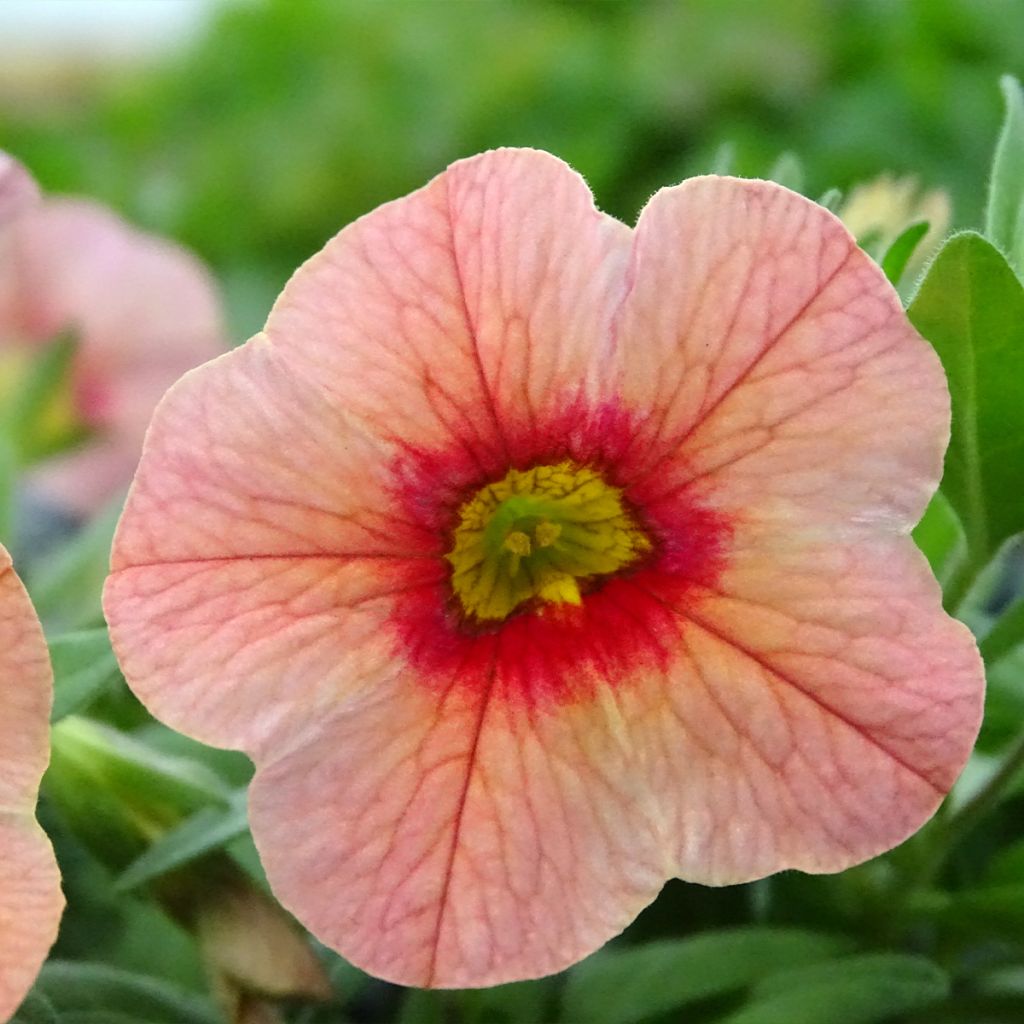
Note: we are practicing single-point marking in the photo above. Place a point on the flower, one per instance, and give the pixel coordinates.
(536, 560)
(142, 310)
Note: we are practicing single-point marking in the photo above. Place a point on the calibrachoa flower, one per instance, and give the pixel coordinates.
(142, 310)
(536, 560)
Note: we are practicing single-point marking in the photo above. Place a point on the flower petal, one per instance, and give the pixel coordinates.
(17, 189)
(261, 602)
(776, 350)
(481, 301)
(460, 844)
(821, 708)
(144, 311)
(26, 693)
(30, 896)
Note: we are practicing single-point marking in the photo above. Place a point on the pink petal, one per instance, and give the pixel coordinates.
(143, 310)
(821, 707)
(281, 522)
(463, 844)
(17, 189)
(788, 381)
(30, 896)
(476, 303)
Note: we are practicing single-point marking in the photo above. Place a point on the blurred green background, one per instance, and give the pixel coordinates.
(274, 124)
(282, 121)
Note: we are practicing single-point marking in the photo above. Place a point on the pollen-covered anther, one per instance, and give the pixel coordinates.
(536, 535)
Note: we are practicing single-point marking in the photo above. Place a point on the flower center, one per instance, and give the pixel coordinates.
(537, 534)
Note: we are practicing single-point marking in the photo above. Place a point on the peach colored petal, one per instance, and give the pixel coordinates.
(461, 843)
(17, 189)
(821, 707)
(272, 542)
(775, 350)
(143, 310)
(30, 896)
(476, 303)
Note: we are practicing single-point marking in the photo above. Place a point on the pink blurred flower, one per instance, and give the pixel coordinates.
(536, 560)
(142, 309)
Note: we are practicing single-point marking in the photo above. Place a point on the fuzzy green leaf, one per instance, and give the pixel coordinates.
(1004, 217)
(898, 255)
(970, 306)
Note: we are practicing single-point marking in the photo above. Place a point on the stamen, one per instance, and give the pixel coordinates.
(536, 535)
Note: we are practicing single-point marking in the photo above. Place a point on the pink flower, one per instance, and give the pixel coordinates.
(142, 310)
(536, 560)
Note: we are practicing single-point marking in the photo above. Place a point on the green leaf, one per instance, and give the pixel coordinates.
(83, 666)
(520, 1002)
(135, 794)
(860, 989)
(67, 586)
(1004, 217)
(788, 171)
(970, 306)
(80, 987)
(628, 985)
(206, 830)
(36, 1009)
(422, 1006)
(898, 255)
(988, 912)
(1005, 635)
(724, 159)
(831, 199)
(938, 533)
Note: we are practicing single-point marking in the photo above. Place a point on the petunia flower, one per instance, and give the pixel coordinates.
(142, 311)
(536, 560)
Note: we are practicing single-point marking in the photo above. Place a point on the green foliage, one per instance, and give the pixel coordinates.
(938, 534)
(898, 255)
(970, 306)
(74, 988)
(36, 1009)
(67, 583)
(854, 990)
(1004, 218)
(625, 986)
(83, 667)
(203, 832)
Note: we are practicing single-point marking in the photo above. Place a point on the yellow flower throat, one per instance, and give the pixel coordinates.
(537, 534)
